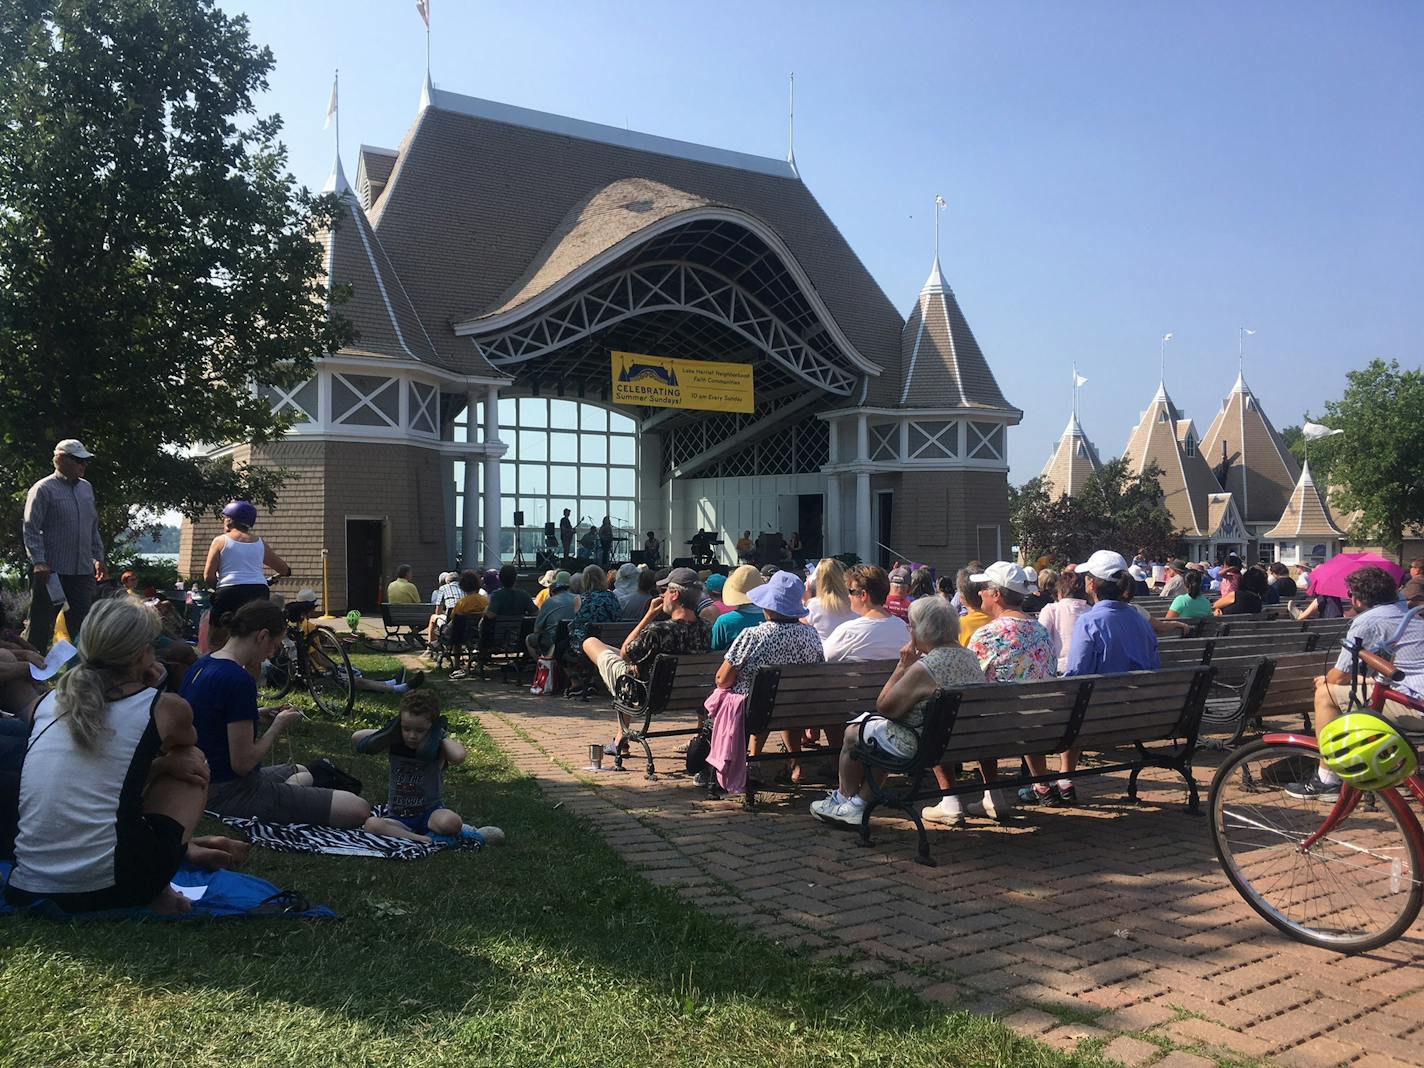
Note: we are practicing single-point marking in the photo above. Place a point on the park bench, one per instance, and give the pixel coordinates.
(1253, 687)
(580, 670)
(1096, 713)
(406, 623)
(498, 643)
(676, 687)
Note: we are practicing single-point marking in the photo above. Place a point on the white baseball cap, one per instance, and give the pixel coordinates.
(1008, 576)
(307, 594)
(1104, 564)
(73, 447)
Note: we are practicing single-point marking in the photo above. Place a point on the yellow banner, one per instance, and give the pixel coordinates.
(668, 383)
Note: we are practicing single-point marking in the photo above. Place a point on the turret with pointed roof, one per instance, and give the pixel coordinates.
(1260, 471)
(1306, 514)
(1187, 482)
(941, 363)
(1072, 461)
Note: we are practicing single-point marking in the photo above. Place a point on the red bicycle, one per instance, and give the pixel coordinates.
(1347, 877)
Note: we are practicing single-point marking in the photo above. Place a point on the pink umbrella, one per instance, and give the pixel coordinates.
(1328, 580)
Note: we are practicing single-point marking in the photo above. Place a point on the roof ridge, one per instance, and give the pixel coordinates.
(514, 115)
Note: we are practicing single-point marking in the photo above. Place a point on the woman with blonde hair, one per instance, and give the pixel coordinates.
(113, 783)
(831, 605)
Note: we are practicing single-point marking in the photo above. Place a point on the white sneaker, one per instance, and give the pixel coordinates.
(950, 811)
(995, 805)
(491, 835)
(836, 809)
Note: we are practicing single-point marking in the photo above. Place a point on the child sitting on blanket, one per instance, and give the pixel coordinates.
(419, 749)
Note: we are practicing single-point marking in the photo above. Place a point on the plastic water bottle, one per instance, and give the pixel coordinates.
(1396, 875)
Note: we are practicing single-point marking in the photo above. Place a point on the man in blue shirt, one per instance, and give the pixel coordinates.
(1112, 636)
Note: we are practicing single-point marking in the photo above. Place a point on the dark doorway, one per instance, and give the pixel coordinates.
(883, 525)
(810, 523)
(363, 563)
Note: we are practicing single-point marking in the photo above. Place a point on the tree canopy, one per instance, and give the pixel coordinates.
(1376, 466)
(157, 260)
(1113, 510)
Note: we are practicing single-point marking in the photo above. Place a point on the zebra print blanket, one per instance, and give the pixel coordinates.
(308, 838)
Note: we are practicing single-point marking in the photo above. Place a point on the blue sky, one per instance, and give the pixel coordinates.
(1114, 171)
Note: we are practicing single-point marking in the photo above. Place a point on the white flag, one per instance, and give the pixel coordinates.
(1078, 380)
(1166, 337)
(939, 201)
(423, 6)
(1247, 331)
(1316, 431)
(330, 108)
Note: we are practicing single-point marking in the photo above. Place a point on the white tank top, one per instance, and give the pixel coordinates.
(72, 801)
(240, 563)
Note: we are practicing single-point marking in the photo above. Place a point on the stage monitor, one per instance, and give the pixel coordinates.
(518, 519)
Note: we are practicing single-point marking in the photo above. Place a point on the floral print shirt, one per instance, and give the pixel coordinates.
(1010, 649)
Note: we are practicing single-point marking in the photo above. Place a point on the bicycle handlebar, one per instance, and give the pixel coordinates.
(1380, 666)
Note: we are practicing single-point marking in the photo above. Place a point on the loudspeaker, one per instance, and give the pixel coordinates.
(518, 519)
(548, 529)
(684, 561)
(638, 556)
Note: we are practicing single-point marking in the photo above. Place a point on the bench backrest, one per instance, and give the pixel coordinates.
(1181, 649)
(1090, 711)
(680, 684)
(406, 615)
(504, 635)
(614, 633)
(1291, 691)
(815, 695)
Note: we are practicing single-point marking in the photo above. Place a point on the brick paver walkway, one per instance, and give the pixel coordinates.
(1118, 914)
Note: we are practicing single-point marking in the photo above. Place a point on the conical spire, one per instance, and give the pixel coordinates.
(1074, 459)
(1306, 514)
(336, 183)
(1187, 482)
(1260, 471)
(942, 365)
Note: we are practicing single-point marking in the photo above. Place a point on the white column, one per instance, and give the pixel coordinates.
(832, 534)
(864, 535)
(470, 528)
(494, 449)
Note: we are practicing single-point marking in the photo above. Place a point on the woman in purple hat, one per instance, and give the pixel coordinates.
(234, 567)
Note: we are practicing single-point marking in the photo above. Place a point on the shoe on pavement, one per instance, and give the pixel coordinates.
(949, 811)
(1029, 795)
(1067, 794)
(837, 809)
(1314, 790)
(994, 805)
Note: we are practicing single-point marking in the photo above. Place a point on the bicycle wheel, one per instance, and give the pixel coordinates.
(1354, 889)
(333, 690)
(280, 672)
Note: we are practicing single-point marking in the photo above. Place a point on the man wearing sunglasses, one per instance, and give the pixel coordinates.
(61, 531)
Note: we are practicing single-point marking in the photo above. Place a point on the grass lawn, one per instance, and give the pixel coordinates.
(548, 950)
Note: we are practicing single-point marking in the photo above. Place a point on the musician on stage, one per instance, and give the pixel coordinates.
(605, 542)
(566, 534)
(701, 544)
(652, 549)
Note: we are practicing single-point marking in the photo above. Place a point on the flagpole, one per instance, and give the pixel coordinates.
(336, 96)
(1075, 392)
(427, 47)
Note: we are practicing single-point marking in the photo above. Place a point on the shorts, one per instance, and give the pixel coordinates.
(419, 824)
(896, 738)
(147, 853)
(612, 667)
(265, 795)
(231, 598)
(1408, 720)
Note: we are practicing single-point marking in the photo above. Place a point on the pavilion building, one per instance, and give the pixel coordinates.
(1306, 532)
(507, 267)
(1250, 460)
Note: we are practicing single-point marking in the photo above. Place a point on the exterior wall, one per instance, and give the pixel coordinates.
(729, 506)
(329, 481)
(938, 514)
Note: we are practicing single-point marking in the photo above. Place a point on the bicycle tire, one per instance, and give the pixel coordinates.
(1356, 889)
(281, 672)
(333, 691)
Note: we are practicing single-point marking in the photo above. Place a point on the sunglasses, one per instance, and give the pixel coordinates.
(854, 591)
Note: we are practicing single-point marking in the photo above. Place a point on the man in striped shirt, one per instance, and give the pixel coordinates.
(61, 531)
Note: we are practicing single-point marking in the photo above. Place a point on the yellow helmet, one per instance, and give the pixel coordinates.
(1367, 752)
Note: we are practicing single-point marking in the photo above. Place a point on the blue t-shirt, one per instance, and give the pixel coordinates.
(1110, 638)
(221, 692)
(730, 624)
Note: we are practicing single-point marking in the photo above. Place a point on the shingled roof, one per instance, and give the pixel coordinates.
(1261, 472)
(941, 363)
(1073, 460)
(1306, 514)
(373, 170)
(380, 309)
(1187, 482)
(473, 210)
